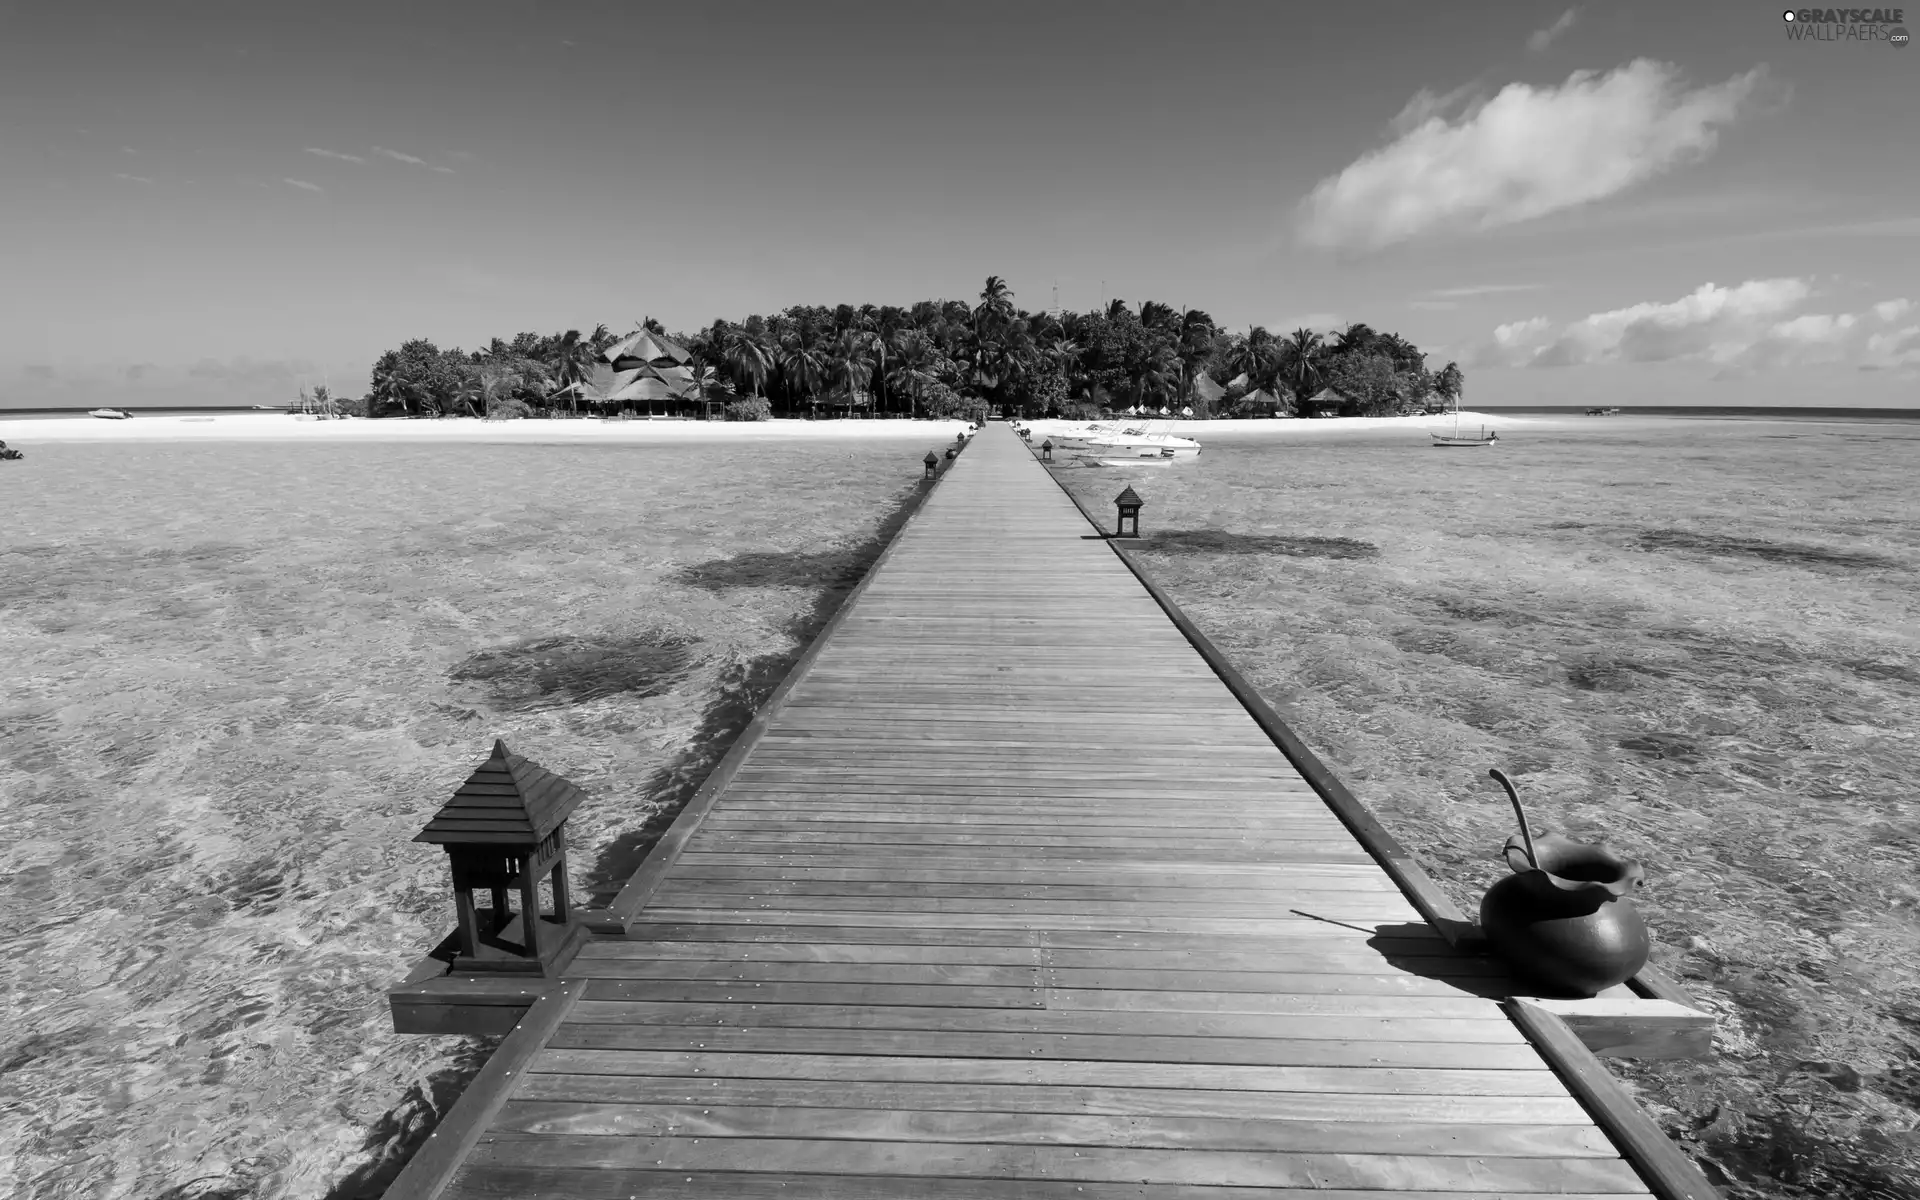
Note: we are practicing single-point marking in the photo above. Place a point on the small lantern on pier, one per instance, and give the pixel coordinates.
(504, 831)
(931, 462)
(1046, 450)
(1129, 503)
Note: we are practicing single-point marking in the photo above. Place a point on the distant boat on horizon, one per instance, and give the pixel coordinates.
(110, 414)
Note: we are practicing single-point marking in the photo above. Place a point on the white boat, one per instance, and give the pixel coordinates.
(1133, 442)
(1485, 437)
(110, 414)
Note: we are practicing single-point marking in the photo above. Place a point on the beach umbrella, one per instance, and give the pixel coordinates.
(1205, 388)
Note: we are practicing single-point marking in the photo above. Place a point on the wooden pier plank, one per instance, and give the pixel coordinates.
(1011, 896)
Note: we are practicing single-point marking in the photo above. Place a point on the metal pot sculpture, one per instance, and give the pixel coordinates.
(1563, 918)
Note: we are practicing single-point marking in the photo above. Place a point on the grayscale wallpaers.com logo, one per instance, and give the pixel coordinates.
(1847, 25)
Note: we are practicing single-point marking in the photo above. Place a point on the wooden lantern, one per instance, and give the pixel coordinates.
(1046, 450)
(505, 830)
(931, 463)
(1129, 503)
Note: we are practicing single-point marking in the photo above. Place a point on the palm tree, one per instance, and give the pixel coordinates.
(803, 362)
(914, 369)
(495, 385)
(569, 359)
(1448, 384)
(707, 387)
(1195, 346)
(1157, 317)
(1256, 356)
(1302, 361)
(995, 308)
(849, 364)
(1151, 375)
(747, 357)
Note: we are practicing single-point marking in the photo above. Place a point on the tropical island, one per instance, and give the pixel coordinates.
(934, 358)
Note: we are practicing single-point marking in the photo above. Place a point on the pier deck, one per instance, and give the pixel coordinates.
(1014, 899)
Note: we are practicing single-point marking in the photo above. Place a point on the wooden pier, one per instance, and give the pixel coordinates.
(1010, 897)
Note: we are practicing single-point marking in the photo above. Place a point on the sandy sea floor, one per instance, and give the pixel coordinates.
(247, 660)
(1697, 639)
(240, 677)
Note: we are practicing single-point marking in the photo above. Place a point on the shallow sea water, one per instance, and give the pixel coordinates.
(240, 677)
(1699, 640)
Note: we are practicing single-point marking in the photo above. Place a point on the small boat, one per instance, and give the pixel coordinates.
(1602, 412)
(1154, 441)
(1486, 437)
(110, 414)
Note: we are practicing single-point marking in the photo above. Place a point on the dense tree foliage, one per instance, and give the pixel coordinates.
(941, 358)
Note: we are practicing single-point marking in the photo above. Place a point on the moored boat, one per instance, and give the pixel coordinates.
(110, 414)
(1148, 442)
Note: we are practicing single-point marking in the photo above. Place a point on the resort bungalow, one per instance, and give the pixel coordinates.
(1263, 403)
(643, 368)
(1328, 402)
(1205, 391)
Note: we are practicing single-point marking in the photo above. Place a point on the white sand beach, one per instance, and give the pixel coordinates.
(275, 426)
(259, 426)
(1302, 427)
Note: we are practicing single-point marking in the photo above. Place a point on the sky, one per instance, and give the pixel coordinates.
(1631, 203)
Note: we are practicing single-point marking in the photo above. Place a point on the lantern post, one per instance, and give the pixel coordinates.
(1129, 504)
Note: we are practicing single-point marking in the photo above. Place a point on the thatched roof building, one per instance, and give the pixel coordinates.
(1329, 402)
(645, 348)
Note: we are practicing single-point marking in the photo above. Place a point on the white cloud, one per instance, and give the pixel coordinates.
(1434, 305)
(132, 178)
(1542, 38)
(397, 156)
(1488, 289)
(1426, 105)
(303, 185)
(1319, 321)
(1757, 325)
(352, 158)
(1523, 154)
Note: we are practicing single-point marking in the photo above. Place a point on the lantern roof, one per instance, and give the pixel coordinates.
(509, 800)
(1129, 498)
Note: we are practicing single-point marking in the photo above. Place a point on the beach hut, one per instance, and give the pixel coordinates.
(1328, 402)
(1261, 402)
